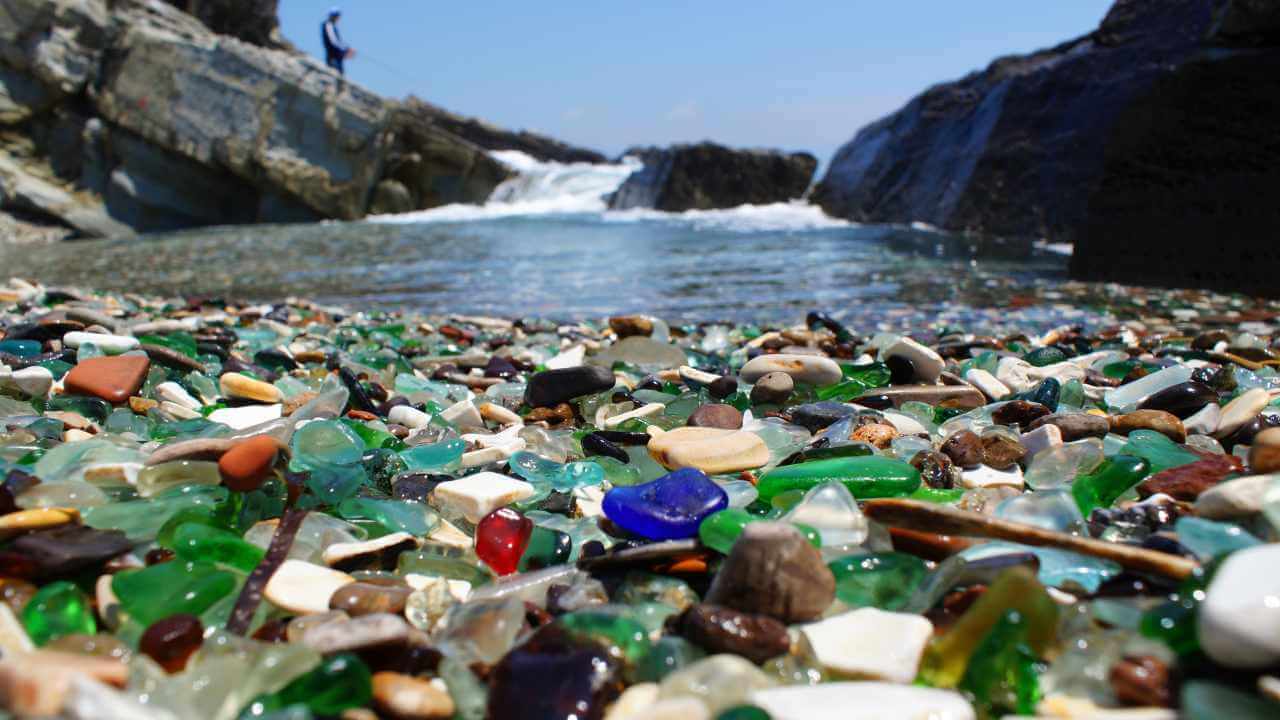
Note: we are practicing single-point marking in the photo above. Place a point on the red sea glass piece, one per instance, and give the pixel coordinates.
(501, 538)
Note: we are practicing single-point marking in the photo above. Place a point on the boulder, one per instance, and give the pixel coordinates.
(1140, 139)
(709, 176)
(492, 137)
(254, 21)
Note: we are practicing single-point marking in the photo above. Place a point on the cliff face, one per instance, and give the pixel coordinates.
(1051, 144)
(491, 137)
(708, 176)
(138, 116)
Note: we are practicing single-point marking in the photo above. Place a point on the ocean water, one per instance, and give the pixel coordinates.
(544, 245)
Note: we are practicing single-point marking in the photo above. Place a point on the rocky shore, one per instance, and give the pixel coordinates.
(224, 510)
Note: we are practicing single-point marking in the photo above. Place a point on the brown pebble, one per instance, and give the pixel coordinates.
(1188, 481)
(772, 570)
(1002, 452)
(772, 388)
(361, 598)
(1165, 423)
(631, 325)
(557, 415)
(1141, 681)
(877, 435)
(719, 629)
(964, 448)
(1019, 412)
(716, 415)
(112, 378)
(1264, 459)
(248, 464)
(1075, 426)
(409, 698)
(936, 469)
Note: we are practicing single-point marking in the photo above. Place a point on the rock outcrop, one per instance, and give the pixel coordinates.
(254, 21)
(708, 176)
(492, 137)
(138, 114)
(1149, 138)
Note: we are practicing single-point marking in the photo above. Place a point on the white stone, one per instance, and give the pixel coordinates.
(1239, 621)
(304, 588)
(572, 357)
(984, 476)
(643, 411)
(482, 457)
(809, 369)
(590, 500)
(496, 413)
(338, 552)
(1241, 410)
(1236, 498)
(927, 363)
(33, 381)
(862, 701)
(464, 415)
(109, 344)
(905, 424)
(633, 701)
(1042, 438)
(13, 636)
(989, 384)
(448, 534)
(477, 495)
(246, 416)
(1204, 421)
(696, 376)
(178, 395)
(869, 644)
(177, 412)
(410, 417)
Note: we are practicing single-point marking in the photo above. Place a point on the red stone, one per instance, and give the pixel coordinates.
(113, 379)
(172, 641)
(248, 464)
(1186, 482)
(501, 538)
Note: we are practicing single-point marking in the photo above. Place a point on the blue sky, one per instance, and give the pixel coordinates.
(799, 75)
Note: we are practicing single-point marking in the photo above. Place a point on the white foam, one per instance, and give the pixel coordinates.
(1056, 248)
(582, 189)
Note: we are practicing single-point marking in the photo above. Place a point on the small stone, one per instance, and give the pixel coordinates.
(773, 570)
(1141, 681)
(409, 698)
(552, 387)
(1264, 458)
(964, 447)
(243, 418)
(772, 388)
(1001, 452)
(304, 588)
(249, 463)
(243, 387)
(984, 476)
(987, 383)
(1075, 426)
(1160, 421)
(936, 469)
(877, 435)
(378, 553)
(113, 379)
(954, 396)
(862, 701)
(816, 416)
(1239, 620)
(34, 381)
(1187, 482)
(711, 450)
(38, 519)
(356, 634)
(172, 641)
(807, 369)
(1041, 439)
(475, 496)
(1236, 498)
(870, 644)
(70, 549)
(1241, 410)
(359, 598)
(1019, 412)
(928, 365)
(630, 325)
(716, 415)
(724, 630)
(109, 344)
(204, 449)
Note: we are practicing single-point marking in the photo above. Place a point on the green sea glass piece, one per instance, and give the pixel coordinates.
(866, 477)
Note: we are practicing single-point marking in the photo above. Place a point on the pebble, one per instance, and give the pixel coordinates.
(197, 449)
(247, 464)
(958, 396)
(964, 447)
(772, 388)
(1183, 400)
(1241, 410)
(34, 381)
(1019, 412)
(1187, 482)
(988, 384)
(1075, 426)
(808, 369)
(869, 644)
(816, 416)
(1165, 423)
(877, 435)
(304, 588)
(1237, 498)
(1041, 439)
(113, 379)
(475, 496)
(109, 344)
(711, 450)
(243, 387)
(985, 476)
(1239, 623)
(773, 570)
(247, 416)
(724, 630)
(1205, 421)
(355, 555)
(716, 415)
(926, 363)
(409, 698)
(629, 325)
(862, 701)
(552, 387)
(1001, 452)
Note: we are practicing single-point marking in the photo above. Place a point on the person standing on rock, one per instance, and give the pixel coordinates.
(335, 51)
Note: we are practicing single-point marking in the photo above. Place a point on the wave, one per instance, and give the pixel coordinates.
(581, 190)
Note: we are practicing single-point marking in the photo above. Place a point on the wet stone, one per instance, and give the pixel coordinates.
(816, 416)
(936, 469)
(772, 388)
(65, 551)
(964, 448)
(877, 435)
(1182, 400)
(1165, 423)
(360, 598)
(715, 415)
(773, 570)
(247, 464)
(552, 387)
(1187, 482)
(410, 698)
(112, 379)
(1019, 412)
(172, 641)
(1001, 452)
(1075, 426)
(723, 630)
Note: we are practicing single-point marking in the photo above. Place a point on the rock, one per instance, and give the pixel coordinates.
(552, 387)
(926, 364)
(877, 435)
(378, 552)
(987, 383)
(108, 344)
(390, 197)
(475, 496)
(243, 387)
(359, 599)
(21, 190)
(723, 630)
(247, 464)
(1141, 681)
(629, 325)
(1264, 458)
(1239, 620)
(196, 449)
(1018, 412)
(489, 137)
(409, 698)
(1041, 439)
(869, 643)
(816, 416)
(807, 369)
(1183, 400)
(65, 551)
(1075, 426)
(1236, 498)
(709, 176)
(248, 416)
(1205, 421)
(989, 477)
(711, 450)
(1001, 452)
(1114, 105)
(862, 701)
(34, 381)
(1241, 410)
(716, 415)
(254, 21)
(378, 630)
(772, 570)
(953, 396)
(772, 388)
(1187, 482)
(964, 447)
(113, 379)
(303, 588)
(559, 667)
(1162, 422)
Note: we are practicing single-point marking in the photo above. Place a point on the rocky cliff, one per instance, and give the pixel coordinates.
(492, 137)
(1150, 138)
(708, 176)
(134, 116)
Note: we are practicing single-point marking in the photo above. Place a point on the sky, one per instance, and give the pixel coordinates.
(799, 75)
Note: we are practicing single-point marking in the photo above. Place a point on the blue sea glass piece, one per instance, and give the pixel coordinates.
(667, 508)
